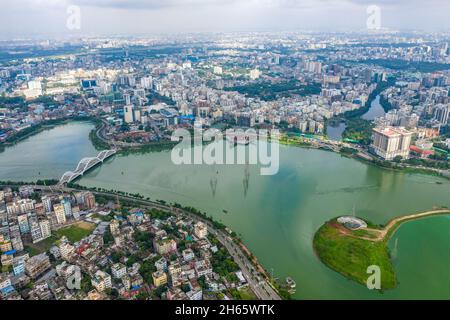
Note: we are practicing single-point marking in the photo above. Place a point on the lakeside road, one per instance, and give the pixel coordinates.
(396, 222)
(257, 282)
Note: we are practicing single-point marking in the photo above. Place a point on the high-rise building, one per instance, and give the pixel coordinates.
(89, 200)
(441, 113)
(128, 113)
(36, 234)
(101, 281)
(46, 231)
(47, 201)
(147, 82)
(22, 220)
(60, 214)
(67, 207)
(114, 227)
(390, 142)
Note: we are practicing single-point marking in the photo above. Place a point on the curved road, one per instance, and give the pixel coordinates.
(259, 285)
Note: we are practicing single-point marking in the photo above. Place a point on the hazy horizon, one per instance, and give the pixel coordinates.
(31, 18)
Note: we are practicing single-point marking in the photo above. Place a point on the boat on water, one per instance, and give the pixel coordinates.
(291, 285)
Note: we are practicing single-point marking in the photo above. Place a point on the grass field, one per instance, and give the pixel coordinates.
(243, 294)
(351, 256)
(76, 232)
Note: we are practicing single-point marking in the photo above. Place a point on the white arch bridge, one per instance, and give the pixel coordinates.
(85, 165)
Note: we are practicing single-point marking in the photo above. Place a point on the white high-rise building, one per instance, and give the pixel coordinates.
(67, 207)
(441, 113)
(147, 82)
(47, 201)
(128, 114)
(390, 142)
(46, 231)
(60, 214)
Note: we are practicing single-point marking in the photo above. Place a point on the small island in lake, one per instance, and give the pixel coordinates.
(350, 245)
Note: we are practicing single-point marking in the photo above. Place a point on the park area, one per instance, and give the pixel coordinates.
(73, 233)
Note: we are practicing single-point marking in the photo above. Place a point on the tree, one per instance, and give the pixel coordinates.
(398, 159)
(185, 287)
(86, 284)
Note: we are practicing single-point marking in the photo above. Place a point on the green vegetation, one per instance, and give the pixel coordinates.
(443, 165)
(351, 256)
(40, 247)
(358, 129)
(224, 265)
(98, 143)
(271, 91)
(76, 232)
(397, 64)
(243, 294)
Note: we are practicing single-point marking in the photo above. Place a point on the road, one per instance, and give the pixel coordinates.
(394, 223)
(101, 134)
(257, 282)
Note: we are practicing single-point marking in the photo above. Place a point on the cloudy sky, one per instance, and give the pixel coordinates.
(50, 17)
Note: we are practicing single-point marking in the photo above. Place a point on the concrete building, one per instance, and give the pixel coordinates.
(101, 281)
(165, 246)
(60, 214)
(159, 278)
(200, 230)
(390, 142)
(128, 113)
(118, 270)
(37, 265)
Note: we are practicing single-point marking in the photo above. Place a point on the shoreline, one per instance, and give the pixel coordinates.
(374, 162)
(350, 252)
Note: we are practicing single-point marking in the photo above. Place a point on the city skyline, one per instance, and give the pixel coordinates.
(49, 18)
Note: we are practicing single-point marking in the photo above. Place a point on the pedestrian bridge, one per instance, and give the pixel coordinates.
(85, 165)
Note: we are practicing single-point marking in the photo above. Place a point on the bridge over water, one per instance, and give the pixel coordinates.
(85, 165)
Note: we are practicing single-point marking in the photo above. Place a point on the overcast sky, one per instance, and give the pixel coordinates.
(49, 17)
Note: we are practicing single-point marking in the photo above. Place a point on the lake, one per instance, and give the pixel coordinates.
(277, 215)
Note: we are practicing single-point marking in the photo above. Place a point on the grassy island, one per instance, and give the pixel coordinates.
(351, 252)
(350, 255)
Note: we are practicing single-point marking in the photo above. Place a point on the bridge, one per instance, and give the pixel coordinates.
(85, 165)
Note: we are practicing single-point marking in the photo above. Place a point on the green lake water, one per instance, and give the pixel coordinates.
(277, 215)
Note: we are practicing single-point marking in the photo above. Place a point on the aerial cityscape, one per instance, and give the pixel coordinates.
(236, 163)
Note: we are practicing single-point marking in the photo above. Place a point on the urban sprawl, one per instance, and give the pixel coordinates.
(68, 243)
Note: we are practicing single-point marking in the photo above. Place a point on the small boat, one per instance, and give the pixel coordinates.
(225, 211)
(290, 283)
